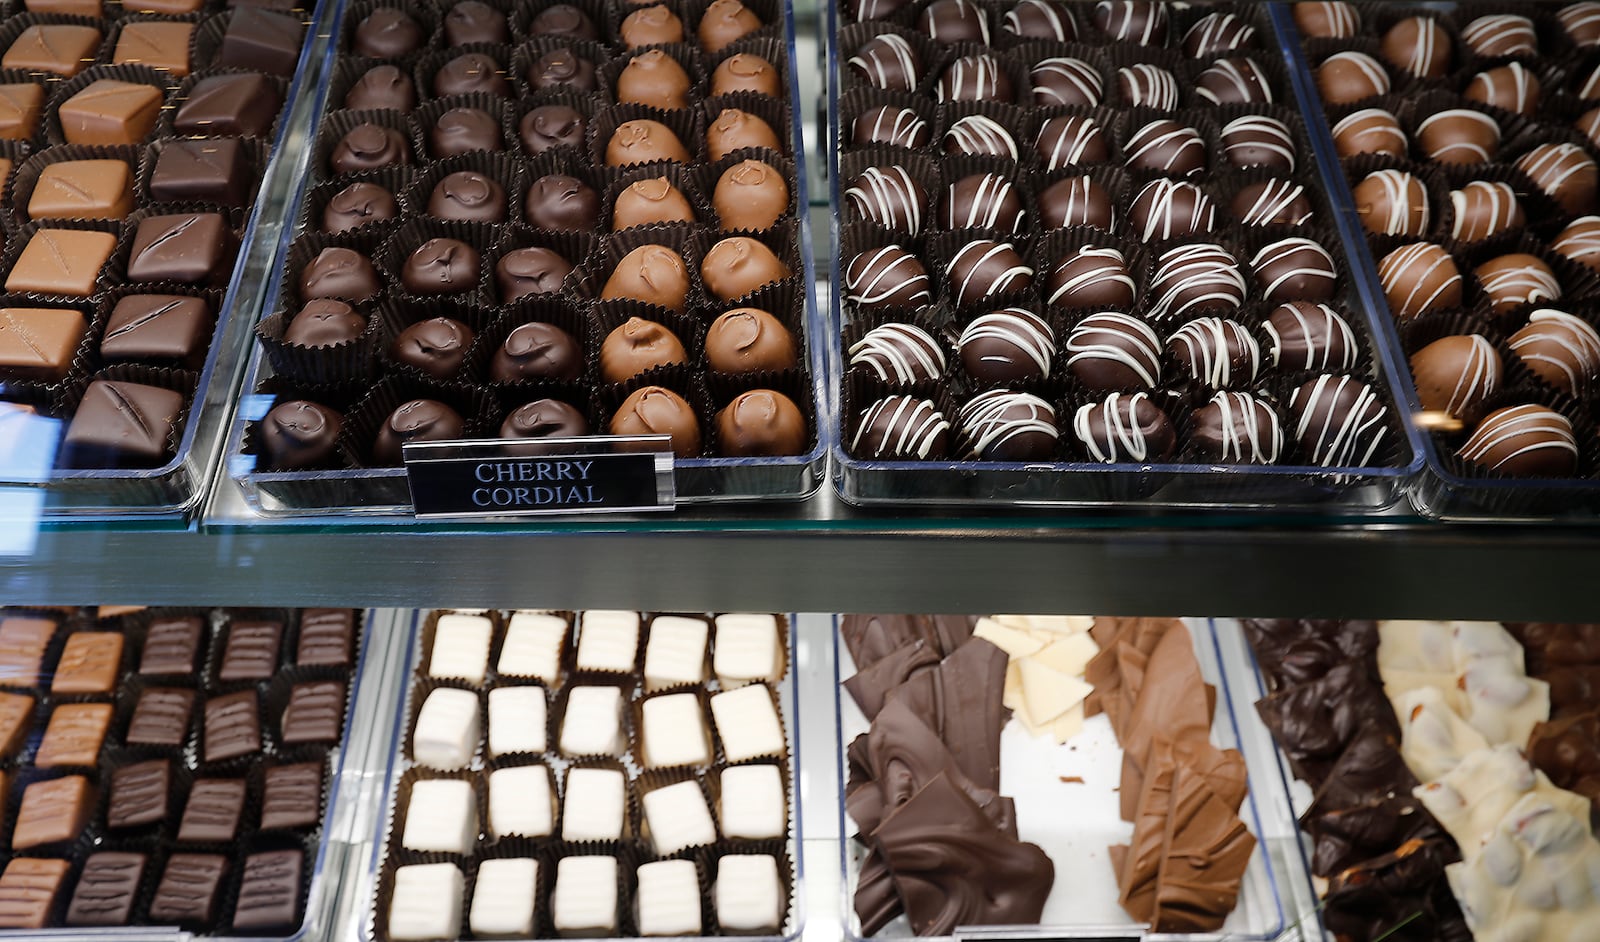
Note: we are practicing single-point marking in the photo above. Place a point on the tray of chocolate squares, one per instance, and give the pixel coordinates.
(1085, 256)
(519, 222)
(136, 143)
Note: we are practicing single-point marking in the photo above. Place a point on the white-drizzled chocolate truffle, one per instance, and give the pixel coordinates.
(1419, 278)
(1512, 86)
(1147, 86)
(1001, 425)
(1217, 33)
(1236, 428)
(1338, 421)
(1091, 277)
(1216, 352)
(901, 354)
(888, 61)
(1124, 428)
(1137, 21)
(981, 135)
(887, 279)
(1524, 441)
(1560, 349)
(1580, 242)
(1481, 210)
(887, 124)
(1258, 141)
(1369, 131)
(1110, 350)
(1510, 281)
(889, 197)
(901, 427)
(983, 270)
(1393, 202)
(1171, 209)
(1294, 269)
(1063, 80)
(980, 77)
(1565, 173)
(1306, 336)
(1236, 80)
(1007, 346)
(1456, 374)
(1196, 279)
(1071, 140)
(1041, 19)
(1501, 34)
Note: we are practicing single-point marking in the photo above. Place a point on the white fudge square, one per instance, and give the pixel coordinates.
(502, 897)
(441, 816)
(461, 647)
(747, 894)
(750, 802)
(674, 732)
(533, 646)
(607, 641)
(747, 649)
(677, 817)
(595, 805)
(676, 652)
(668, 898)
(592, 723)
(427, 902)
(517, 720)
(747, 723)
(521, 802)
(447, 729)
(585, 897)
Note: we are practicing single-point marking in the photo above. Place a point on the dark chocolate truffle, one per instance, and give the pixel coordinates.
(1306, 336)
(1393, 202)
(1236, 428)
(888, 61)
(887, 279)
(470, 195)
(1560, 349)
(299, 434)
(469, 74)
(437, 346)
(1510, 281)
(1501, 34)
(1338, 421)
(745, 72)
(1326, 19)
(653, 410)
(1064, 80)
(760, 423)
(1171, 209)
(357, 205)
(561, 203)
(1114, 351)
(979, 77)
(901, 427)
(1419, 278)
(562, 68)
(388, 33)
(462, 131)
(901, 354)
(733, 130)
(739, 265)
(653, 78)
(1369, 131)
(1457, 374)
(1071, 140)
(1237, 80)
(1137, 21)
(980, 135)
(339, 273)
(650, 201)
(1007, 346)
(1272, 203)
(651, 26)
(1124, 428)
(441, 266)
(1588, 124)
(1166, 147)
(1524, 441)
(982, 201)
(324, 322)
(1419, 45)
(751, 196)
(1581, 21)
(1258, 141)
(382, 87)
(1041, 19)
(536, 350)
(1196, 279)
(1147, 86)
(544, 418)
(889, 197)
(888, 124)
(420, 420)
(1459, 136)
(1216, 352)
(984, 270)
(1001, 425)
(723, 22)
(638, 345)
(1294, 269)
(472, 21)
(563, 19)
(654, 274)
(1091, 277)
(368, 147)
(1511, 86)
(878, 9)
(954, 21)
(1072, 202)
(1580, 242)
(747, 340)
(642, 141)
(527, 271)
(1217, 34)
(1346, 77)
(549, 126)
(1565, 173)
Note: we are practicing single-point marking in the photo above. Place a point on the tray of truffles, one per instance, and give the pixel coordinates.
(591, 774)
(1450, 768)
(1468, 141)
(134, 138)
(1050, 777)
(526, 221)
(1086, 256)
(172, 768)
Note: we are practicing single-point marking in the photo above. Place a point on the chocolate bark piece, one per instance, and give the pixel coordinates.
(232, 726)
(292, 796)
(261, 41)
(326, 637)
(161, 717)
(186, 247)
(315, 712)
(89, 663)
(167, 327)
(63, 262)
(120, 424)
(171, 645)
(1568, 751)
(37, 343)
(877, 902)
(1370, 765)
(870, 686)
(74, 735)
(188, 891)
(962, 700)
(16, 719)
(23, 642)
(211, 815)
(871, 638)
(58, 48)
(900, 754)
(139, 794)
(215, 170)
(252, 650)
(1554, 644)
(269, 893)
(21, 104)
(1574, 689)
(83, 189)
(106, 889)
(1297, 650)
(243, 105)
(1205, 854)
(28, 890)
(1345, 838)
(1315, 721)
(52, 811)
(158, 44)
(1168, 700)
(109, 111)
(1400, 895)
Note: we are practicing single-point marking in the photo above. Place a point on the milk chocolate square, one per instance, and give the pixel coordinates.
(212, 814)
(172, 645)
(109, 111)
(89, 663)
(74, 735)
(315, 713)
(252, 650)
(242, 105)
(16, 719)
(168, 7)
(21, 104)
(157, 44)
(261, 41)
(83, 189)
(269, 893)
(326, 635)
(22, 646)
(106, 889)
(232, 726)
(38, 343)
(62, 262)
(139, 794)
(121, 425)
(292, 796)
(59, 48)
(53, 811)
(213, 171)
(167, 327)
(187, 247)
(188, 891)
(65, 7)
(161, 717)
(28, 891)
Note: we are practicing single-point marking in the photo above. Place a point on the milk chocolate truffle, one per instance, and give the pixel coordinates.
(388, 33)
(982, 201)
(1166, 147)
(420, 420)
(469, 74)
(750, 195)
(527, 271)
(1527, 441)
(901, 427)
(980, 135)
(1419, 45)
(1216, 352)
(1200, 278)
(902, 354)
(887, 279)
(984, 270)
(1258, 141)
(739, 265)
(1456, 374)
(1041, 19)
(638, 345)
(649, 201)
(462, 131)
(747, 340)
(1137, 21)
(1419, 278)
(441, 266)
(1071, 140)
(324, 322)
(1294, 269)
(979, 77)
(1393, 202)
(467, 194)
(653, 274)
(1124, 428)
(1580, 242)
(1272, 203)
(1109, 350)
(1001, 425)
(760, 423)
(651, 26)
(745, 72)
(473, 21)
(1338, 421)
(382, 87)
(1072, 202)
(339, 273)
(566, 20)
(1236, 80)
(299, 434)
(1501, 35)
(1091, 277)
(887, 61)
(562, 203)
(889, 197)
(1560, 349)
(1581, 21)
(1512, 86)
(437, 346)
(367, 147)
(723, 22)
(562, 68)
(653, 78)
(550, 126)
(358, 205)
(653, 410)
(1306, 336)
(1171, 209)
(1565, 173)
(1217, 34)
(1369, 131)
(1005, 346)
(1063, 80)
(1482, 210)
(954, 21)
(536, 350)
(643, 141)
(1147, 86)
(1459, 136)
(888, 124)
(733, 130)
(544, 418)
(1236, 428)
(1510, 281)
(1326, 19)
(1346, 77)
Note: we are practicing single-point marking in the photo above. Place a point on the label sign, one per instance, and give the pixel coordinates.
(521, 477)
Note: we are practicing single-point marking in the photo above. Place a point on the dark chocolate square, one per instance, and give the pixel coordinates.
(28, 891)
(187, 894)
(215, 170)
(172, 328)
(106, 889)
(171, 645)
(325, 637)
(161, 717)
(212, 814)
(242, 105)
(121, 424)
(232, 726)
(187, 247)
(139, 794)
(261, 42)
(252, 650)
(292, 797)
(315, 713)
(269, 893)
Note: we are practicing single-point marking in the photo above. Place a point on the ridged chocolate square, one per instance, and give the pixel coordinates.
(121, 425)
(252, 650)
(269, 893)
(89, 663)
(28, 891)
(161, 717)
(212, 814)
(232, 726)
(139, 794)
(325, 637)
(172, 645)
(106, 889)
(22, 646)
(188, 891)
(74, 735)
(292, 797)
(16, 719)
(315, 713)
(53, 810)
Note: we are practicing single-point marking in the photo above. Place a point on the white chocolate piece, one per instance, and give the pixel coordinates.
(447, 731)
(674, 732)
(678, 818)
(595, 805)
(1503, 703)
(668, 898)
(1537, 879)
(1425, 646)
(517, 720)
(1477, 794)
(747, 722)
(607, 641)
(592, 724)
(750, 802)
(747, 895)
(442, 816)
(747, 649)
(426, 902)
(1433, 739)
(521, 802)
(585, 897)
(533, 646)
(461, 647)
(502, 897)
(676, 652)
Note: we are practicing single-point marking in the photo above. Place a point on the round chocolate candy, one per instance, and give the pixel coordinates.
(1166, 147)
(649, 201)
(901, 354)
(437, 346)
(643, 141)
(654, 274)
(1306, 336)
(1143, 22)
(1589, 88)
(1237, 80)
(887, 279)
(1195, 279)
(441, 266)
(749, 340)
(536, 350)
(1071, 140)
(1236, 428)
(1419, 278)
(1369, 131)
(1216, 352)
(472, 21)
(1091, 278)
(299, 434)
(1063, 80)
(888, 61)
(526, 271)
(746, 72)
(1393, 202)
(1419, 45)
(878, 9)
(358, 205)
(550, 126)
(1272, 203)
(544, 418)
(1510, 281)
(733, 130)
(339, 273)
(324, 322)
(889, 197)
(1346, 77)
(1580, 242)
(369, 146)
(1041, 19)
(1512, 86)
(1527, 441)
(1171, 209)
(901, 427)
(467, 194)
(954, 21)
(723, 22)
(1124, 428)
(1258, 141)
(1588, 124)
(636, 346)
(1294, 269)
(1581, 21)
(653, 78)
(1338, 421)
(1001, 425)
(984, 270)
(1456, 374)
(1560, 349)
(651, 26)
(980, 135)
(470, 74)
(462, 131)
(739, 265)
(420, 420)
(978, 77)
(388, 33)
(1076, 201)
(382, 87)
(654, 410)
(760, 423)
(982, 201)
(564, 20)
(1114, 351)
(1011, 345)
(1217, 34)
(1565, 173)
(1482, 210)
(889, 124)
(750, 195)
(1459, 136)
(561, 203)
(1326, 19)
(1147, 86)
(1501, 34)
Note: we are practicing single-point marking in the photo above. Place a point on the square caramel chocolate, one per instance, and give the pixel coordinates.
(110, 111)
(107, 889)
(232, 726)
(21, 104)
(158, 44)
(38, 343)
(214, 170)
(83, 189)
(59, 48)
(166, 327)
(261, 41)
(63, 262)
(243, 104)
(23, 642)
(74, 735)
(326, 635)
(186, 247)
(172, 645)
(161, 717)
(28, 890)
(315, 713)
(89, 663)
(292, 796)
(189, 890)
(16, 719)
(269, 891)
(213, 810)
(53, 811)
(139, 794)
(121, 425)
(252, 650)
